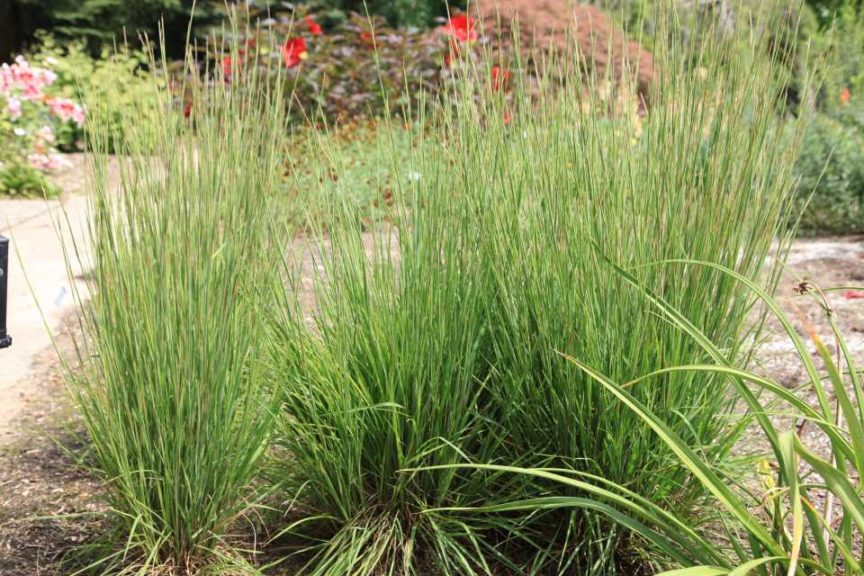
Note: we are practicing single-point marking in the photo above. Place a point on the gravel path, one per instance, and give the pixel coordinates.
(827, 263)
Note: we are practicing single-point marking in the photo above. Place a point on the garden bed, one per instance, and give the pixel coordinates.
(48, 503)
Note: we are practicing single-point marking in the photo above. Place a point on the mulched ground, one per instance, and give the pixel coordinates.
(49, 505)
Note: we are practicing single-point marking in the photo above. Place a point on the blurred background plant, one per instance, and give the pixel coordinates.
(117, 84)
(828, 39)
(100, 23)
(32, 118)
(354, 66)
(397, 13)
(831, 172)
(830, 167)
(367, 60)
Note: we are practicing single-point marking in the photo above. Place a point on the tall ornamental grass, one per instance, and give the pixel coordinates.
(566, 190)
(382, 368)
(435, 341)
(171, 391)
(801, 511)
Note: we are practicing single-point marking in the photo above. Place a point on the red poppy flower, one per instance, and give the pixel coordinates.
(460, 27)
(367, 38)
(507, 118)
(845, 96)
(294, 51)
(500, 76)
(314, 28)
(854, 295)
(226, 68)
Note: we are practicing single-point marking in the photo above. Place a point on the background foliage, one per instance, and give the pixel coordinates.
(420, 13)
(117, 85)
(100, 23)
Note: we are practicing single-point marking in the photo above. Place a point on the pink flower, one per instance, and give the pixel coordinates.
(47, 76)
(45, 134)
(31, 91)
(13, 107)
(27, 82)
(67, 110)
(47, 162)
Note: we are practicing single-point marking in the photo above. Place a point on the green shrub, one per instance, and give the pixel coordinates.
(117, 85)
(435, 342)
(359, 68)
(401, 13)
(25, 181)
(171, 389)
(831, 171)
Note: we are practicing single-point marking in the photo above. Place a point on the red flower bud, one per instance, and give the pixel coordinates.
(314, 28)
(294, 51)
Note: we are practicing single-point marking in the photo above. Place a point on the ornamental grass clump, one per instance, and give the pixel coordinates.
(381, 368)
(435, 341)
(801, 511)
(568, 188)
(171, 387)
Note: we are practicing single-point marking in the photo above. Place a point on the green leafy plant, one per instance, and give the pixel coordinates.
(172, 391)
(831, 171)
(25, 181)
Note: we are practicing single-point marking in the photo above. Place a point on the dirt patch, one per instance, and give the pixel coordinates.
(48, 504)
(826, 263)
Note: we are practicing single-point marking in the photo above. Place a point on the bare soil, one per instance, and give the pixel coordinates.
(48, 503)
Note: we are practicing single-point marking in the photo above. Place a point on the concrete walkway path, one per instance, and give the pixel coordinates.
(40, 290)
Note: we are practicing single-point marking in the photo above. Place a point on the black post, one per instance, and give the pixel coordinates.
(5, 339)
